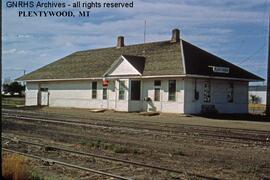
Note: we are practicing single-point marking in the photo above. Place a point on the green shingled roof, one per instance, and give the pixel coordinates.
(161, 58)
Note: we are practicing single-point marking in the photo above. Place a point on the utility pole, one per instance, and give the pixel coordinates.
(268, 73)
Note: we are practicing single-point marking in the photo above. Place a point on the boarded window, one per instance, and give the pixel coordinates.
(135, 90)
(121, 90)
(172, 90)
(230, 93)
(94, 90)
(207, 92)
(105, 93)
(157, 84)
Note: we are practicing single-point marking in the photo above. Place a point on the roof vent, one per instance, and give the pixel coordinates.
(175, 35)
(120, 41)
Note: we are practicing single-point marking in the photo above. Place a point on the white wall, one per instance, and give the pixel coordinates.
(31, 94)
(72, 94)
(163, 105)
(79, 94)
(124, 68)
(218, 96)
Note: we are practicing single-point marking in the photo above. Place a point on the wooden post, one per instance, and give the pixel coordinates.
(268, 74)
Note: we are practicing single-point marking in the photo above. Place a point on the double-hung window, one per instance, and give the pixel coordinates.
(172, 90)
(94, 90)
(157, 84)
(105, 93)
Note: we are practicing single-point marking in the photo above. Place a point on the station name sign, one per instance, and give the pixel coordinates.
(218, 69)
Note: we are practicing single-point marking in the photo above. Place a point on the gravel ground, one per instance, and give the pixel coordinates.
(200, 155)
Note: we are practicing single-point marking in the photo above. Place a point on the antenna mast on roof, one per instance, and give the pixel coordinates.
(144, 35)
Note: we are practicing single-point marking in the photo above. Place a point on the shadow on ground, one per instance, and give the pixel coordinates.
(237, 117)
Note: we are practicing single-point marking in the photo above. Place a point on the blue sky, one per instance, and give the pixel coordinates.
(235, 30)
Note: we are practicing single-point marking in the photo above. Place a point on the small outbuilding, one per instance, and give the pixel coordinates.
(171, 76)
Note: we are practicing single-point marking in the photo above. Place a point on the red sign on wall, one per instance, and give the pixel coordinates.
(105, 83)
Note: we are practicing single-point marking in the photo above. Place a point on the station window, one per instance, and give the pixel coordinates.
(230, 93)
(121, 90)
(94, 90)
(157, 84)
(44, 89)
(105, 93)
(172, 90)
(207, 92)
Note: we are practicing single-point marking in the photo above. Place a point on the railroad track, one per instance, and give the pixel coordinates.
(58, 148)
(133, 122)
(66, 164)
(263, 139)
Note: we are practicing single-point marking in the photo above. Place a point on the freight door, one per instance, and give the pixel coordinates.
(44, 95)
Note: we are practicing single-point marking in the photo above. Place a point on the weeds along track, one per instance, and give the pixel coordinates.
(66, 164)
(47, 148)
(222, 136)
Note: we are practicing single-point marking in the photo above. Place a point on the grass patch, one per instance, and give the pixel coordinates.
(16, 167)
(98, 144)
(13, 101)
(179, 152)
(257, 106)
(120, 149)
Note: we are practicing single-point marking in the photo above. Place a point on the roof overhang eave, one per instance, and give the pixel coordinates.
(224, 78)
(146, 77)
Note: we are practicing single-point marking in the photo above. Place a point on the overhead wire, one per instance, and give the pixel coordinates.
(264, 44)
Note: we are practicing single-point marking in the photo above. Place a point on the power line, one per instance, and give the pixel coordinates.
(253, 54)
(243, 42)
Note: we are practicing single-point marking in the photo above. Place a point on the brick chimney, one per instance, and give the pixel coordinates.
(175, 36)
(120, 42)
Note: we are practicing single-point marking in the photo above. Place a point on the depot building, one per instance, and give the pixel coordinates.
(172, 76)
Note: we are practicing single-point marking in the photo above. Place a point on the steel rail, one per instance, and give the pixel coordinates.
(266, 140)
(177, 124)
(212, 137)
(111, 158)
(66, 164)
